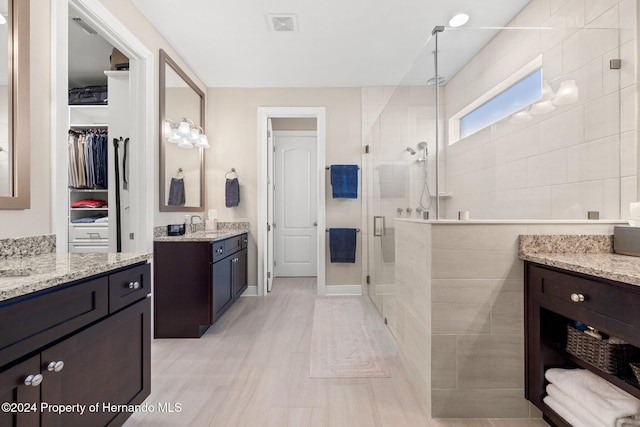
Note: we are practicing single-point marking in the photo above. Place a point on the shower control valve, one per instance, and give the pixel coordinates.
(399, 210)
(409, 210)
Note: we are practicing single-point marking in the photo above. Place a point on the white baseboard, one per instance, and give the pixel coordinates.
(252, 291)
(343, 290)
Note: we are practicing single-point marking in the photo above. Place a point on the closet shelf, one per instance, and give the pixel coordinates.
(88, 209)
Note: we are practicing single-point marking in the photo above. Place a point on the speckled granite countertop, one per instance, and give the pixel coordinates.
(23, 275)
(592, 255)
(202, 236)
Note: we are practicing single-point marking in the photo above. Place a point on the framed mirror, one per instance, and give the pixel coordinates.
(181, 159)
(14, 105)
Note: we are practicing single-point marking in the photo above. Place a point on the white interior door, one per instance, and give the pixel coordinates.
(295, 204)
(270, 205)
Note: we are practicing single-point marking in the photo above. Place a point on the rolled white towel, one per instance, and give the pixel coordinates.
(567, 415)
(602, 399)
(580, 416)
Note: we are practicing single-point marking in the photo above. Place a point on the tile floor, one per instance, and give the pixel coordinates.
(252, 369)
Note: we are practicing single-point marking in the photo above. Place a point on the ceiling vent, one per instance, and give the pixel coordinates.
(283, 22)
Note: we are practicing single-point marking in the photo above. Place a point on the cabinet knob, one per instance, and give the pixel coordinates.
(247, 240)
(55, 366)
(33, 380)
(219, 250)
(134, 285)
(577, 297)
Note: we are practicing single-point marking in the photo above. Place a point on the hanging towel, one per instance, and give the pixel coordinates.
(232, 193)
(342, 244)
(176, 192)
(599, 397)
(344, 181)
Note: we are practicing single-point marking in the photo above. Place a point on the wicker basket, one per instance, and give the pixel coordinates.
(635, 367)
(611, 358)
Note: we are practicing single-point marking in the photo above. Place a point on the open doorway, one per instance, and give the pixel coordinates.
(138, 126)
(291, 157)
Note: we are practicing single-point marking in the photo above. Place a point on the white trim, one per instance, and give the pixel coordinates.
(142, 106)
(251, 291)
(319, 113)
(454, 120)
(343, 290)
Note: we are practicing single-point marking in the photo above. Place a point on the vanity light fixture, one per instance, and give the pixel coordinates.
(459, 20)
(186, 134)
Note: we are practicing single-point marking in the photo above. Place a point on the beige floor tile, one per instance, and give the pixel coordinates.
(251, 369)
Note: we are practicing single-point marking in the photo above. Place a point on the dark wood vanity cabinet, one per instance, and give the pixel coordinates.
(69, 348)
(609, 306)
(195, 283)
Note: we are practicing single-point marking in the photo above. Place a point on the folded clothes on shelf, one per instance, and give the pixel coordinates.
(89, 203)
(91, 219)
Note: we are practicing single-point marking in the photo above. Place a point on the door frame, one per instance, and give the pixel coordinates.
(265, 144)
(141, 84)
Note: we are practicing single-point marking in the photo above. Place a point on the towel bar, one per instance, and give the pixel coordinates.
(357, 230)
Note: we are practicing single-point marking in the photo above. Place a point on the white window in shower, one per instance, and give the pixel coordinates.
(518, 91)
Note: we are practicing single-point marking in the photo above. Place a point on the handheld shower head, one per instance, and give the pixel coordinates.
(411, 150)
(422, 145)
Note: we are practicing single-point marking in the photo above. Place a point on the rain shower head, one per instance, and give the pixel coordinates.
(411, 150)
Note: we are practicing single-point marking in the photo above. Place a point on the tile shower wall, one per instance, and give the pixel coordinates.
(582, 157)
(459, 313)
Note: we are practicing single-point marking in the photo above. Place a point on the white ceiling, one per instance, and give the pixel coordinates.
(88, 57)
(339, 43)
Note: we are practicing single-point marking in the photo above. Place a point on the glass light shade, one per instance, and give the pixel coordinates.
(195, 135)
(522, 116)
(166, 129)
(542, 107)
(203, 141)
(174, 138)
(568, 93)
(185, 144)
(184, 129)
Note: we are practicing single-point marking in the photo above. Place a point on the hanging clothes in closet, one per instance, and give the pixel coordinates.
(87, 159)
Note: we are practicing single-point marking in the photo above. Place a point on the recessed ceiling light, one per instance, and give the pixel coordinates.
(459, 20)
(283, 22)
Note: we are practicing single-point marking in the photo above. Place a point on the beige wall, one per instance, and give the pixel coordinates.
(232, 121)
(36, 219)
(131, 17)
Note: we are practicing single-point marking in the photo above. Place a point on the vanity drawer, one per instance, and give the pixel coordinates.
(34, 320)
(80, 233)
(128, 286)
(232, 245)
(217, 250)
(597, 301)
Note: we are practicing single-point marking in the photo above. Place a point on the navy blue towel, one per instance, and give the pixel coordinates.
(232, 193)
(342, 244)
(176, 192)
(344, 181)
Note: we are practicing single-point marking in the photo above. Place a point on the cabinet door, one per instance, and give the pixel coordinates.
(106, 363)
(239, 274)
(14, 391)
(222, 293)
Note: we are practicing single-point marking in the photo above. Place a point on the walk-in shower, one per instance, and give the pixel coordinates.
(555, 158)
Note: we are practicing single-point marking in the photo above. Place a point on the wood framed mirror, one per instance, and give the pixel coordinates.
(15, 137)
(182, 183)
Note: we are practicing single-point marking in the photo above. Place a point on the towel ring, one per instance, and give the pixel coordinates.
(179, 173)
(232, 171)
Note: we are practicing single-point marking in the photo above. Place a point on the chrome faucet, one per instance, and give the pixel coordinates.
(192, 225)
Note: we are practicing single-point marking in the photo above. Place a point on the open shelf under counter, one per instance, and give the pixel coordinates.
(556, 297)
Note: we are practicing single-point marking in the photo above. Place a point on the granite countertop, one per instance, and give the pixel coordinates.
(23, 275)
(592, 255)
(203, 236)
